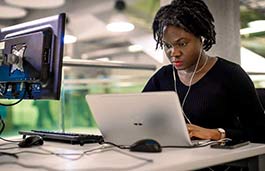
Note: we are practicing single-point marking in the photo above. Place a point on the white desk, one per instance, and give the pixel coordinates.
(114, 159)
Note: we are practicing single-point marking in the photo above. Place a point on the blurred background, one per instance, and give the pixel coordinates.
(100, 57)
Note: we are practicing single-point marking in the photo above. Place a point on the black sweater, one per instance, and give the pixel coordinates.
(224, 98)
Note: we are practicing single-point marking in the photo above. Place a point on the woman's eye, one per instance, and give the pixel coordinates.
(168, 46)
(182, 44)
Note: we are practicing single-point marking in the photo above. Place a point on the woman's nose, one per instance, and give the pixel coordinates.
(175, 52)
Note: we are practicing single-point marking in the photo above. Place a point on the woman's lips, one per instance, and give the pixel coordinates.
(178, 63)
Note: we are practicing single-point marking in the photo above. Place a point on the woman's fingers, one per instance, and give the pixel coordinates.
(198, 132)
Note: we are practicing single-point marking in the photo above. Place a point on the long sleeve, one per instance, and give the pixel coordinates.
(224, 98)
(247, 106)
(162, 80)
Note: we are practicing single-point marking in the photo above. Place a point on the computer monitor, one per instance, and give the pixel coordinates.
(31, 59)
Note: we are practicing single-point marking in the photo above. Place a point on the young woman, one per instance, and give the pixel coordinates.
(218, 98)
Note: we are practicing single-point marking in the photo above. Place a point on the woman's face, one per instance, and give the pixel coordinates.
(182, 48)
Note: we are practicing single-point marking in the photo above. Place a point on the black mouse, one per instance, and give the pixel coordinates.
(31, 141)
(146, 145)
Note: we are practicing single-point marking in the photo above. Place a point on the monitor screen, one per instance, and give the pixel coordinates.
(31, 59)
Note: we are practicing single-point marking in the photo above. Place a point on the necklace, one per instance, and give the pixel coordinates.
(203, 65)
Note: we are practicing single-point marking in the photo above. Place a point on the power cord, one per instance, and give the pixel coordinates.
(12, 104)
(3, 125)
(203, 144)
(1, 130)
(63, 155)
(90, 151)
(115, 145)
(8, 154)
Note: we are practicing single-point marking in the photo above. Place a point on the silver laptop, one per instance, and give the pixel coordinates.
(124, 119)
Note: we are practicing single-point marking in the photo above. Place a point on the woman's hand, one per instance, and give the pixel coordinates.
(203, 133)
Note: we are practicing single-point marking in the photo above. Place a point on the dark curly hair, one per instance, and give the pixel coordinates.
(191, 15)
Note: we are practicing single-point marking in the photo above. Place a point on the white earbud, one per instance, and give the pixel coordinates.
(202, 39)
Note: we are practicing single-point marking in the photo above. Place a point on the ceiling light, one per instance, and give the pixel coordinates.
(36, 4)
(8, 12)
(119, 22)
(69, 39)
(254, 27)
(251, 61)
(135, 48)
(257, 23)
(250, 30)
(120, 26)
(69, 36)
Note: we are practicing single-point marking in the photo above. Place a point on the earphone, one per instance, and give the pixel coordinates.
(190, 82)
(202, 39)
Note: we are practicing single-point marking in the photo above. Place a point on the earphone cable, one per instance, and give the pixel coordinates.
(191, 79)
(175, 87)
(186, 95)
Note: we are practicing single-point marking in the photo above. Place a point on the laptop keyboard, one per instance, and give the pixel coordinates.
(72, 138)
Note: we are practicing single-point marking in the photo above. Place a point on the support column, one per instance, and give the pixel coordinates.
(227, 25)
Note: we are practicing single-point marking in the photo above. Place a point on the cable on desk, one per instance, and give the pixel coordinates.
(7, 140)
(3, 125)
(2, 129)
(200, 145)
(149, 160)
(3, 144)
(62, 155)
(172, 146)
(8, 154)
(103, 148)
(119, 146)
(71, 169)
(9, 148)
(27, 166)
(125, 147)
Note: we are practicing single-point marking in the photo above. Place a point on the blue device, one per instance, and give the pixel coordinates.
(31, 59)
